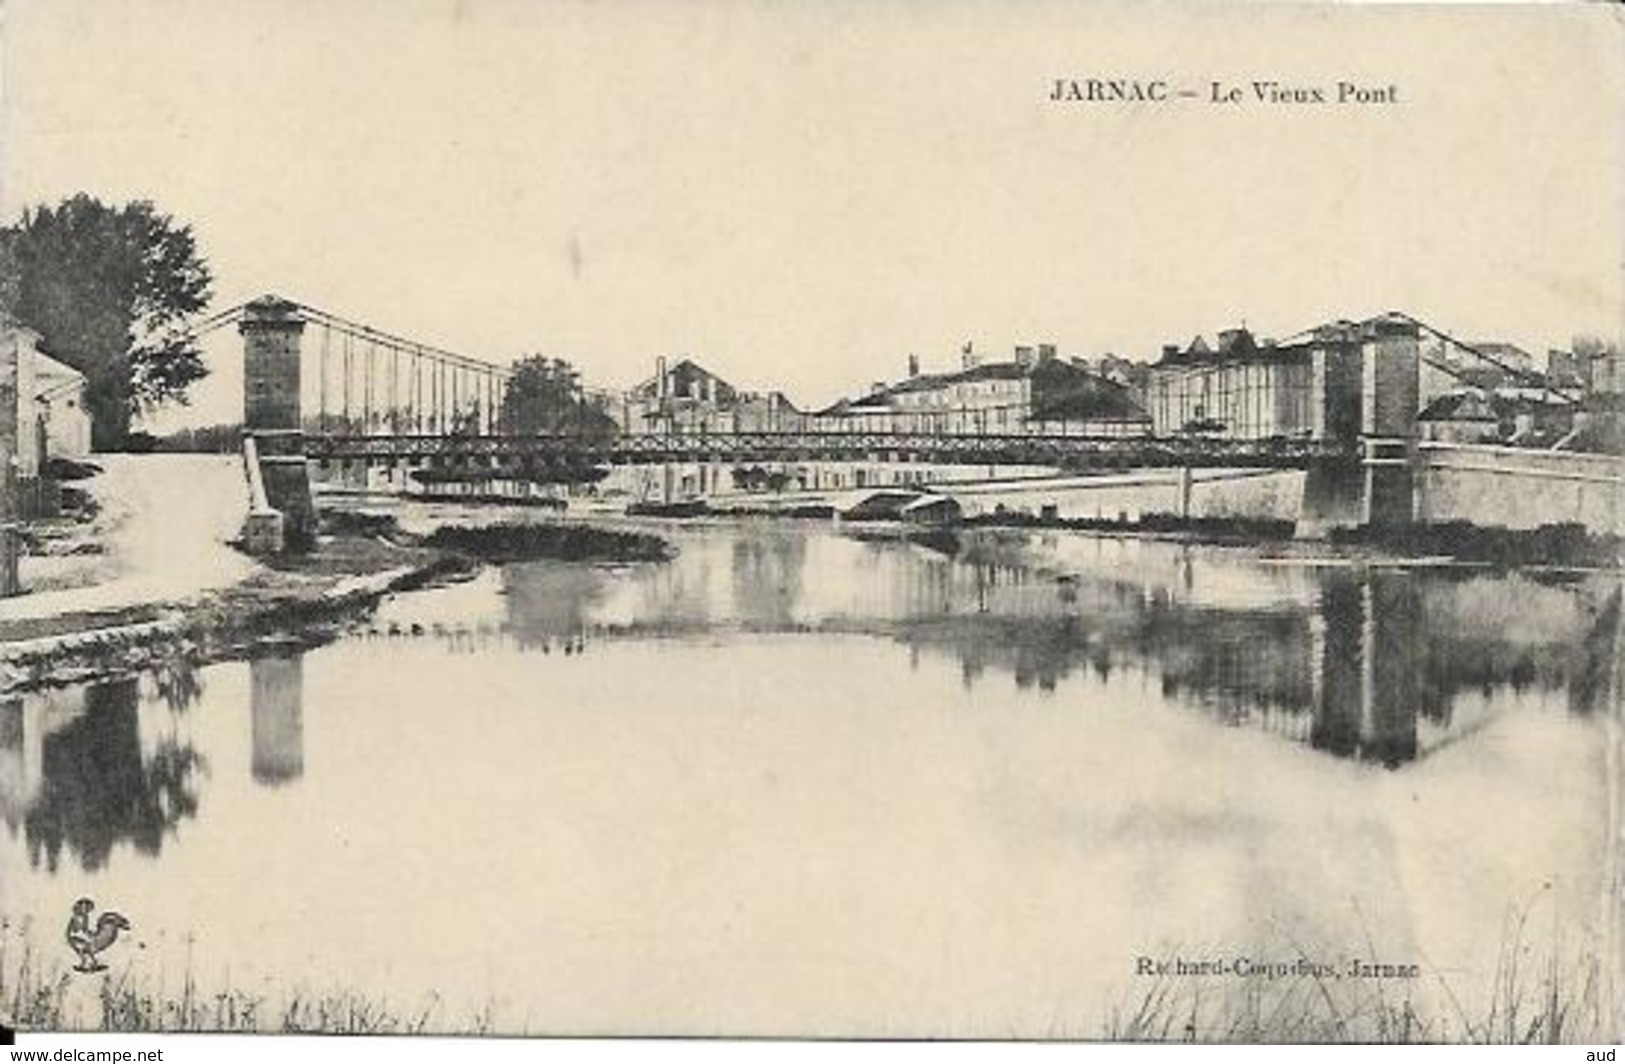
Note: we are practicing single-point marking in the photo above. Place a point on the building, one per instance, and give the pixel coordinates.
(1563, 370)
(1595, 367)
(1241, 388)
(1466, 416)
(1607, 372)
(47, 401)
(1035, 392)
(686, 398)
(42, 415)
(59, 396)
(1449, 366)
(1334, 382)
(682, 397)
(1130, 374)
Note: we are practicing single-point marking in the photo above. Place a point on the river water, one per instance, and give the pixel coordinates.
(797, 781)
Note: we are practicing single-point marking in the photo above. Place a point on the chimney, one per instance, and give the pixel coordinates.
(967, 357)
(1046, 352)
(1025, 357)
(877, 387)
(660, 377)
(1170, 350)
(913, 365)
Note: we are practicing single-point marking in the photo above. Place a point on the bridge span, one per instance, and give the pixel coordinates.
(1065, 451)
(378, 400)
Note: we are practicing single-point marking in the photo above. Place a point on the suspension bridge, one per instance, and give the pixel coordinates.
(359, 393)
(364, 382)
(322, 389)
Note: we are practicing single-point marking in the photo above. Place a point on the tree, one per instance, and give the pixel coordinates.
(544, 396)
(110, 290)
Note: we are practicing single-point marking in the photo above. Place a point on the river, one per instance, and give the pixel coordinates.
(797, 781)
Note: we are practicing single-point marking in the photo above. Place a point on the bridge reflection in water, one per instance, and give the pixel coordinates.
(277, 689)
(84, 769)
(1378, 665)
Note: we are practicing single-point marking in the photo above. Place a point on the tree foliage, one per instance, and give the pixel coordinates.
(544, 396)
(109, 290)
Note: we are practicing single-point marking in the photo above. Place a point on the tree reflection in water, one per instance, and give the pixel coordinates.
(1348, 659)
(549, 603)
(178, 683)
(1350, 670)
(1594, 677)
(97, 790)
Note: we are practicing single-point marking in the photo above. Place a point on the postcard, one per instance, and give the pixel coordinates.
(739, 519)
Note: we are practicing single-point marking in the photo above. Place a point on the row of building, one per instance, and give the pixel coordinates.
(1032, 391)
(1390, 375)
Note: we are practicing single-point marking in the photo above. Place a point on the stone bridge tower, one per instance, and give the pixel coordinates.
(1389, 404)
(282, 514)
(1375, 488)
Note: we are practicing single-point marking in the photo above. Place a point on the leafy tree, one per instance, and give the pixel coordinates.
(545, 396)
(540, 396)
(109, 289)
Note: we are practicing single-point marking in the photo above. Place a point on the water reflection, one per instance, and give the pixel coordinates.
(767, 574)
(77, 780)
(1375, 664)
(1070, 721)
(276, 704)
(1360, 662)
(1594, 674)
(1380, 664)
(178, 683)
(1370, 667)
(1354, 670)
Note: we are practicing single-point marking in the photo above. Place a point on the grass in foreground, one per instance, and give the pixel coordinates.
(1549, 1003)
(1533, 996)
(41, 995)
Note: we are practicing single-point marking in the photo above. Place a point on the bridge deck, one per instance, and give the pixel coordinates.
(1010, 449)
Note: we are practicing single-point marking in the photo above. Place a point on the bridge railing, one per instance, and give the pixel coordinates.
(813, 445)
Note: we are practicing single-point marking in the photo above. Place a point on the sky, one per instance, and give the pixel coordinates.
(801, 195)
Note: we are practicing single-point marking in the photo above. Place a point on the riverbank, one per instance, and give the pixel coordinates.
(295, 600)
(1549, 546)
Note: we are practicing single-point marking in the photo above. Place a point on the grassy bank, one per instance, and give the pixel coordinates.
(560, 542)
(1565, 544)
(1508, 548)
(1211, 529)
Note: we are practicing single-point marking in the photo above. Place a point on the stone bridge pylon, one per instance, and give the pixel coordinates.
(282, 508)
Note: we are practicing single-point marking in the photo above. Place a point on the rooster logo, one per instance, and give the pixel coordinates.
(88, 941)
